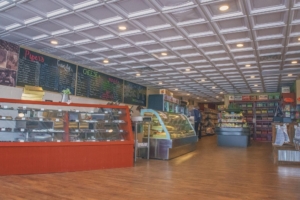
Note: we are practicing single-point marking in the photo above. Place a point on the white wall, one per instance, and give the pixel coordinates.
(16, 93)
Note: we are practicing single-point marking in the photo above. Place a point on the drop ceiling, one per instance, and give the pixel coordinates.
(202, 57)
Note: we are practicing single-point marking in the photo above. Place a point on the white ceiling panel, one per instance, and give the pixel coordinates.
(190, 45)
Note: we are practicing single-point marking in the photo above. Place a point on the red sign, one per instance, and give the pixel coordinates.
(245, 98)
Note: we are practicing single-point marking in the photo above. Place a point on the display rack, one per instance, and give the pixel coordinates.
(233, 130)
(259, 115)
(57, 137)
(208, 122)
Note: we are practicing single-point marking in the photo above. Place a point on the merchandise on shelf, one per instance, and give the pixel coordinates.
(208, 121)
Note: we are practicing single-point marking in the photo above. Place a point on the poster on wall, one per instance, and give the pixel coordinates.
(135, 94)
(93, 84)
(9, 55)
(49, 73)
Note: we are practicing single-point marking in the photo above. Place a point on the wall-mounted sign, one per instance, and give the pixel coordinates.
(238, 98)
(231, 98)
(246, 98)
(134, 94)
(263, 97)
(285, 89)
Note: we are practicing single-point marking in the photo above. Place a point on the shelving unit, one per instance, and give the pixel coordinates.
(208, 122)
(259, 115)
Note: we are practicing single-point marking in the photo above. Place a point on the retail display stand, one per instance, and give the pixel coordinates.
(47, 137)
(259, 112)
(232, 131)
(209, 122)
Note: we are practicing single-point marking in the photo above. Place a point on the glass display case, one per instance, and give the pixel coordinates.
(171, 134)
(32, 123)
(233, 130)
(72, 137)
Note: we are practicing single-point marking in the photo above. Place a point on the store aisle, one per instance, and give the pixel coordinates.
(211, 172)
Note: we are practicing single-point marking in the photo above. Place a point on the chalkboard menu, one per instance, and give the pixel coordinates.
(134, 94)
(94, 84)
(49, 73)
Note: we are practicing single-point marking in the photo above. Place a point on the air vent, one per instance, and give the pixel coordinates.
(270, 58)
(146, 69)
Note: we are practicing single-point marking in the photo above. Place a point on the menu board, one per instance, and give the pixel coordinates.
(134, 94)
(49, 73)
(9, 55)
(93, 84)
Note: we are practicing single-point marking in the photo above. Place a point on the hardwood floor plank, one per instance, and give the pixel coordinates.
(211, 172)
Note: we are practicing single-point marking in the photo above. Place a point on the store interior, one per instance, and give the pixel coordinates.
(89, 85)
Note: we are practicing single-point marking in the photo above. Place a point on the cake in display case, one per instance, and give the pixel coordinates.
(61, 137)
(233, 130)
(171, 134)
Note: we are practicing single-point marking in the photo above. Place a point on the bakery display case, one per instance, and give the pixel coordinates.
(233, 130)
(63, 137)
(171, 134)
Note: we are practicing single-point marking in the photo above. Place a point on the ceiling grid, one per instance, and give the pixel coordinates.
(200, 48)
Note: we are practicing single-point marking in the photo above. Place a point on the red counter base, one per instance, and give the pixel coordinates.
(38, 158)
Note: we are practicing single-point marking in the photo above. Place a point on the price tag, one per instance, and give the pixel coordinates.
(23, 118)
(122, 140)
(2, 129)
(42, 109)
(92, 131)
(108, 140)
(105, 112)
(76, 131)
(57, 120)
(41, 119)
(92, 111)
(24, 107)
(120, 112)
(77, 110)
(5, 107)
(121, 131)
(106, 121)
(59, 110)
(3, 117)
(22, 129)
(21, 140)
(77, 120)
(57, 140)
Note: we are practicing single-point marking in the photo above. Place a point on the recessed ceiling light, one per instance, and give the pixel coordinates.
(221, 92)
(239, 45)
(255, 85)
(294, 62)
(252, 76)
(247, 65)
(176, 89)
(217, 96)
(122, 28)
(290, 74)
(213, 87)
(188, 94)
(299, 39)
(202, 80)
(138, 74)
(187, 69)
(105, 61)
(160, 83)
(164, 54)
(53, 42)
(224, 8)
(258, 91)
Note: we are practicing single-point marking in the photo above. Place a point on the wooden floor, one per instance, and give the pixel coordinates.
(211, 173)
